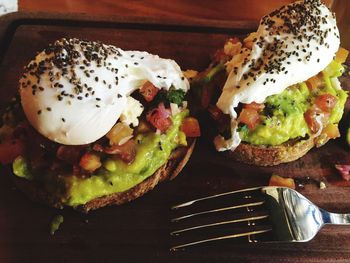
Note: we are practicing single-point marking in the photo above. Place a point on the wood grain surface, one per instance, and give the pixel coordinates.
(179, 9)
(139, 231)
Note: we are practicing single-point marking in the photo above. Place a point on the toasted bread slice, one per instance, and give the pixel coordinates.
(170, 170)
(272, 155)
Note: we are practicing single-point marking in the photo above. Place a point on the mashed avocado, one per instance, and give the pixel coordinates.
(153, 150)
(283, 115)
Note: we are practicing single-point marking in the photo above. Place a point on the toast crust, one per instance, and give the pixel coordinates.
(178, 159)
(272, 155)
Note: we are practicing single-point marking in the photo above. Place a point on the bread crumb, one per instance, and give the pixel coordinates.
(322, 185)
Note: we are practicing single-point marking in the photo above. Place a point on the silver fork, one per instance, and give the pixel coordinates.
(287, 216)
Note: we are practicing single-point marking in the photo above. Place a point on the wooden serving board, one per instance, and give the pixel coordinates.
(139, 231)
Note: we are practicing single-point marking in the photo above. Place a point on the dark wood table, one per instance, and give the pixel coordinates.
(139, 231)
(178, 9)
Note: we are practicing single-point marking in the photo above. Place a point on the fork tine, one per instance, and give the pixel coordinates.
(214, 196)
(176, 232)
(255, 232)
(217, 210)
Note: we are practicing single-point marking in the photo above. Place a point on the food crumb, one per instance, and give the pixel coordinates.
(322, 185)
(190, 74)
(55, 223)
(276, 180)
(344, 170)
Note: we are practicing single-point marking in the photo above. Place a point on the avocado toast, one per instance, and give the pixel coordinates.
(276, 94)
(95, 125)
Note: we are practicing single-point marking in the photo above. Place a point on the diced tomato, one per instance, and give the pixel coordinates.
(332, 131)
(215, 112)
(341, 55)
(126, 152)
(250, 117)
(10, 150)
(221, 118)
(254, 106)
(313, 119)
(326, 102)
(159, 117)
(90, 162)
(148, 91)
(276, 180)
(190, 126)
(248, 44)
(314, 82)
(118, 133)
(70, 153)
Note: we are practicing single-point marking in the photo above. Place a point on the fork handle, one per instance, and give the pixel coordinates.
(334, 218)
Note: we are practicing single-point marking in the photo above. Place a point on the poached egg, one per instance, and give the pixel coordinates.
(74, 91)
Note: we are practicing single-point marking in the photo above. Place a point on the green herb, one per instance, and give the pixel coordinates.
(55, 224)
(21, 169)
(172, 96)
(212, 72)
(176, 96)
(242, 129)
